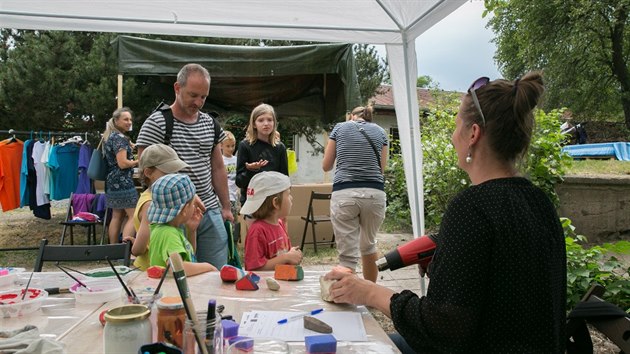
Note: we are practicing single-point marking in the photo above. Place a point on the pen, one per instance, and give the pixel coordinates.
(210, 325)
(314, 312)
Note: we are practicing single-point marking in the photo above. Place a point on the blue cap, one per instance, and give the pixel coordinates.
(170, 193)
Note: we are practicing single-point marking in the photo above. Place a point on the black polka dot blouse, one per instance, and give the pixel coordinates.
(498, 278)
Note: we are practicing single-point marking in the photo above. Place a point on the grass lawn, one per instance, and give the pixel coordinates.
(598, 167)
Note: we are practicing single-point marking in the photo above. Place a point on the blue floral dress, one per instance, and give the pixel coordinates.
(119, 187)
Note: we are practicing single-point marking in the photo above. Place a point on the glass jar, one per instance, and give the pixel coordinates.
(171, 317)
(214, 345)
(127, 328)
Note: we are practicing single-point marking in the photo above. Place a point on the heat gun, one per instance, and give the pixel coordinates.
(417, 251)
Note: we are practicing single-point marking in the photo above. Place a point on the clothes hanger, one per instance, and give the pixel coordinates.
(12, 139)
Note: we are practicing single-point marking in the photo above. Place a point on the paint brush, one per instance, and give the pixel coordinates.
(73, 277)
(27, 284)
(120, 279)
(73, 270)
(157, 290)
(182, 286)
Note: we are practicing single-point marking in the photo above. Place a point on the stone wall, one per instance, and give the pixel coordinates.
(598, 206)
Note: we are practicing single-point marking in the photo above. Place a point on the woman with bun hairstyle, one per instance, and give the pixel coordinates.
(357, 204)
(498, 276)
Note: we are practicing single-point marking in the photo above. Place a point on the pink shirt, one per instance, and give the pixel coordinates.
(265, 241)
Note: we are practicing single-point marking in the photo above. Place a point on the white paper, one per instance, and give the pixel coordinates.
(347, 326)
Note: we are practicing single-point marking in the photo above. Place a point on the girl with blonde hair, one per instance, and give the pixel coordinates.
(260, 150)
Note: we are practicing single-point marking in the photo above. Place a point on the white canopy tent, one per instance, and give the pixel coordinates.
(393, 23)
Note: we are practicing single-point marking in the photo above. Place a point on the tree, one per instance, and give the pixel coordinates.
(371, 70)
(583, 46)
(49, 80)
(425, 81)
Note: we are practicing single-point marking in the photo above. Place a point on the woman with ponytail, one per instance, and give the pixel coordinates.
(498, 276)
(119, 187)
(358, 150)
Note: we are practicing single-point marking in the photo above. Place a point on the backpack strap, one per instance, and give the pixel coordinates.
(167, 113)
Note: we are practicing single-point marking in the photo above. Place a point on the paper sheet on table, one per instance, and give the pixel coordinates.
(347, 326)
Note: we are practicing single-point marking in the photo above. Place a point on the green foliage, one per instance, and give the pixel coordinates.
(582, 46)
(546, 163)
(425, 81)
(589, 265)
(398, 210)
(443, 179)
(371, 70)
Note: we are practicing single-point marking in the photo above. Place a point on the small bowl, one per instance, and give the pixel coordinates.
(101, 290)
(107, 272)
(7, 280)
(13, 305)
(8, 277)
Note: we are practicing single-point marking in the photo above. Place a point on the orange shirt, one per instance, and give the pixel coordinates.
(10, 166)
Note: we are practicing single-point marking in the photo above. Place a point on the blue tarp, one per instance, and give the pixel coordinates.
(620, 150)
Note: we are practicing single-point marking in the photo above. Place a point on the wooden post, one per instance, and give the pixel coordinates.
(120, 91)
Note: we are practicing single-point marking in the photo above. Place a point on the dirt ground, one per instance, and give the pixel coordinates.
(19, 228)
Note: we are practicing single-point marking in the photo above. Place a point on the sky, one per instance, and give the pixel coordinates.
(457, 50)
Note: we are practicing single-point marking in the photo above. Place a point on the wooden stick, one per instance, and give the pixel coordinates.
(182, 285)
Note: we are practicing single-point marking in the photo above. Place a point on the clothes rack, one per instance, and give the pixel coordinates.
(41, 133)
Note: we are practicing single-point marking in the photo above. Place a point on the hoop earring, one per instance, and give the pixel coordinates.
(469, 156)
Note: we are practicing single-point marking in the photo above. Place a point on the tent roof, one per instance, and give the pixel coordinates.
(353, 21)
(395, 23)
(307, 80)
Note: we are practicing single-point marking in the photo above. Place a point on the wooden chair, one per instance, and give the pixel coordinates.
(90, 226)
(313, 220)
(617, 329)
(89, 253)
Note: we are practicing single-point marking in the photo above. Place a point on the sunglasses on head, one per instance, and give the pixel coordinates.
(476, 85)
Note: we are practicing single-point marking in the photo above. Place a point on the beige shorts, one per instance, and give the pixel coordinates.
(356, 215)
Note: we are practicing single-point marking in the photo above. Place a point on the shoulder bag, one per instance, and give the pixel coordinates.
(97, 169)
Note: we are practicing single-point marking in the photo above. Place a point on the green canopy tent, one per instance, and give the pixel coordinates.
(316, 81)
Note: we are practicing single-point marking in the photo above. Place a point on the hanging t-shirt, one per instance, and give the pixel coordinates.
(84, 185)
(44, 161)
(42, 211)
(64, 167)
(41, 171)
(24, 190)
(10, 167)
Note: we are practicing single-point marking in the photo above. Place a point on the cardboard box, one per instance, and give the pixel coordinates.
(295, 227)
(301, 194)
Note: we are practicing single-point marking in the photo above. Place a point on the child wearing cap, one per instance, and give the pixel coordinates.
(173, 205)
(156, 161)
(267, 243)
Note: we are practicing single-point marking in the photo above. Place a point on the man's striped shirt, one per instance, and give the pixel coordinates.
(193, 143)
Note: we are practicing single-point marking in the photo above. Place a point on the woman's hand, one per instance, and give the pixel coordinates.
(350, 289)
(255, 166)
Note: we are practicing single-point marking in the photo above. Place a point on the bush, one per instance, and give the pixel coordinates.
(589, 265)
(545, 162)
(545, 165)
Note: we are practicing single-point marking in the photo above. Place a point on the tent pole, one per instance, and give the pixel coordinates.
(120, 91)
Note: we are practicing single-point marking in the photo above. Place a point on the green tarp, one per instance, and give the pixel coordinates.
(307, 80)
